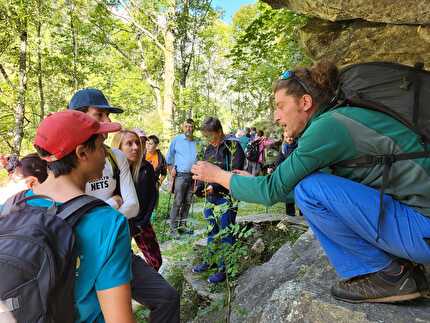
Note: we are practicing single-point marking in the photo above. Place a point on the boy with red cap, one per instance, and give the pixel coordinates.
(148, 287)
(72, 144)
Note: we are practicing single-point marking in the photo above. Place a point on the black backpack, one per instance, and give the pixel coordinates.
(38, 260)
(401, 91)
(252, 151)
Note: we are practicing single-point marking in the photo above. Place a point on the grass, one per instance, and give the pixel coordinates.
(251, 208)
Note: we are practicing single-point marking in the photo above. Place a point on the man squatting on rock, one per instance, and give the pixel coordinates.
(374, 260)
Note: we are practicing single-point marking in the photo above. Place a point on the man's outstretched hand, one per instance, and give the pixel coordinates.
(209, 173)
(205, 172)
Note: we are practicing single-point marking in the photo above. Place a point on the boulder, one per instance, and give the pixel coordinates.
(201, 286)
(262, 218)
(386, 11)
(294, 286)
(360, 41)
(355, 31)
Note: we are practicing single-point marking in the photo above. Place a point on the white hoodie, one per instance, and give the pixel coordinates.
(104, 187)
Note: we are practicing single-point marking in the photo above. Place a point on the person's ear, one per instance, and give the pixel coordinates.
(31, 181)
(306, 102)
(81, 153)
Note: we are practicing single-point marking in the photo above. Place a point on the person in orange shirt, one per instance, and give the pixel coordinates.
(156, 158)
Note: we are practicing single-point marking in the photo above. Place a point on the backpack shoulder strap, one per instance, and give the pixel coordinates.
(115, 168)
(12, 201)
(112, 158)
(77, 207)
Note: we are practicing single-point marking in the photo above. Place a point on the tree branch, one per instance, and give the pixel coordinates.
(114, 45)
(133, 21)
(6, 77)
(144, 68)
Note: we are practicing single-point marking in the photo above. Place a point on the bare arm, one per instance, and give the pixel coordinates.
(115, 304)
(171, 170)
(161, 179)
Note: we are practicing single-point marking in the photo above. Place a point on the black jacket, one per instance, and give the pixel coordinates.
(146, 190)
(228, 155)
(161, 169)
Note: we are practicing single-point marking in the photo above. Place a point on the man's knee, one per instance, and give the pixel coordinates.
(177, 201)
(303, 188)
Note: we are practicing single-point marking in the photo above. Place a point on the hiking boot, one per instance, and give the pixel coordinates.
(376, 288)
(200, 268)
(216, 278)
(418, 272)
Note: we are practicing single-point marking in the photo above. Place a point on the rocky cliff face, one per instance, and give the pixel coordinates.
(294, 286)
(352, 31)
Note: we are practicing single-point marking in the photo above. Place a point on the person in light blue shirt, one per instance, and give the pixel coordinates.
(181, 156)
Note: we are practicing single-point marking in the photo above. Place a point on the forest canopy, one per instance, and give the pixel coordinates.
(160, 60)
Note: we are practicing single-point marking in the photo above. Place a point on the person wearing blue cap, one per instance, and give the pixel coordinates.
(116, 186)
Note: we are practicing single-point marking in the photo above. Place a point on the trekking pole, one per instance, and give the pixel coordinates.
(168, 213)
(171, 192)
(192, 204)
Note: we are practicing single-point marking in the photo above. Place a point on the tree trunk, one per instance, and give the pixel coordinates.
(74, 46)
(20, 107)
(39, 65)
(169, 77)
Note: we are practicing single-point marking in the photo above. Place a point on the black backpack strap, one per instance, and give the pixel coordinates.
(387, 161)
(371, 160)
(115, 169)
(77, 207)
(417, 89)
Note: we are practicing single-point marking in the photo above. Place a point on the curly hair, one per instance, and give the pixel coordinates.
(321, 81)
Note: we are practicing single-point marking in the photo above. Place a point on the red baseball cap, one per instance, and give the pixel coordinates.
(61, 132)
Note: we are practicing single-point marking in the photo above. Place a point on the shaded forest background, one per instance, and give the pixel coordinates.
(160, 60)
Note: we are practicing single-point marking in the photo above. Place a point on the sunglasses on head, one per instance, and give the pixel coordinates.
(289, 75)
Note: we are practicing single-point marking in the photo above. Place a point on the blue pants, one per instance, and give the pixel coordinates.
(344, 217)
(227, 218)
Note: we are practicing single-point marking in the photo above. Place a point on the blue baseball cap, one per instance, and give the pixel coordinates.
(90, 97)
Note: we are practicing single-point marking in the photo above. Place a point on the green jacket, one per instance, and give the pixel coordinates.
(342, 134)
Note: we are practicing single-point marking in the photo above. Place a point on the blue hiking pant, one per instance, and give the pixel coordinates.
(344, 217)
(227, 218)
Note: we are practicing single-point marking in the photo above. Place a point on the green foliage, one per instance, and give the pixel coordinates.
(160, 217)
(221, 70)
(142, 315)
(266, 44)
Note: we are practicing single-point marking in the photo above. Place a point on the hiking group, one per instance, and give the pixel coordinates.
(353, 160)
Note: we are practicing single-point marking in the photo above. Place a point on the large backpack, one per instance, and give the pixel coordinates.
(38, 258)
(401, 91)
(252, 151)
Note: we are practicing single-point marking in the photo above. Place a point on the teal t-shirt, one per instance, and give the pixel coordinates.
(103, 244)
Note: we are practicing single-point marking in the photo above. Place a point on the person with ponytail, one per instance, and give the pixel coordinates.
(376, 257)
